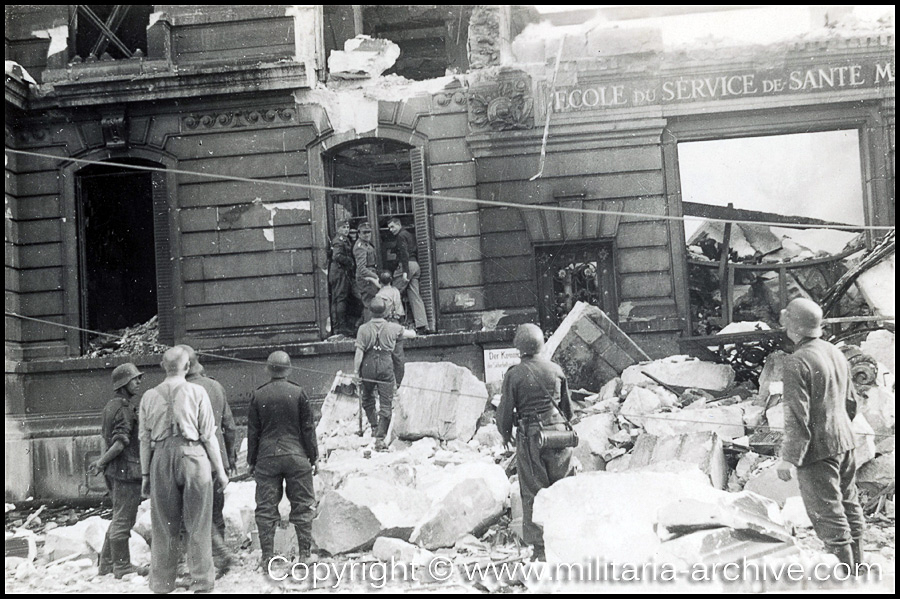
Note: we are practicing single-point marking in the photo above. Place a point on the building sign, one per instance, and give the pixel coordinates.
(864, 74)
(496, 363)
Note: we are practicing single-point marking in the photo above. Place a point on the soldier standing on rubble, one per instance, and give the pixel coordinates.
(376, 344)
(121, 465)
(179, 457)
(366, 263)
(818, 438)
(535, 396)
(225, 435)
(341, 270)
(282, 450)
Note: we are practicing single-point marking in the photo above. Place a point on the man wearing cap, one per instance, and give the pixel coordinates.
(179, 458)
(225, 436)
(341, 269)
(282, 451)
(818, 437)
(121, 465)
(366, 264)
(406, 277)
(376, 343)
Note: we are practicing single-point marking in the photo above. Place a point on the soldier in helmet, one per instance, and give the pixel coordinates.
(121, 465)
(535, 396)
(818, 439)
(282, 452)
(341, 271)
(366, 268)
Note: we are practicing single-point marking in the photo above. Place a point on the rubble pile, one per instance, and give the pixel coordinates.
(138, 340)
(841, 276)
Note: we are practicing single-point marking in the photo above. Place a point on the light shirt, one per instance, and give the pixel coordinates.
(192, 411)
(393, 302)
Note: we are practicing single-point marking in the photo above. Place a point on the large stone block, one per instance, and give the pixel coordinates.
(877, 405)
(593, 440)
(880, 345)
(794, 513)
(865, 440)
(642, 401)
(364, 508)
(877, 287)
(682, 371)
(467, 498)
(340, 410)
(440, 400)
(701, 450)
(611, 516)
(766, 483)
(741, 511)
(83, 538)
(727, 422)
(722, 546)
(590, 348)
(878, 473)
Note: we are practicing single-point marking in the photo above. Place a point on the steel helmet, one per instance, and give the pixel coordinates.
(279, 363)
(529, 339)
(803, 316)
(123, 374)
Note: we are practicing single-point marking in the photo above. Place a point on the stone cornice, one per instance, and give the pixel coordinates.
(164, 84)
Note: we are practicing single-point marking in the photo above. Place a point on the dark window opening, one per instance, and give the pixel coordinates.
(117, 30)
(432, 39)
(118, 274)
(571, 273)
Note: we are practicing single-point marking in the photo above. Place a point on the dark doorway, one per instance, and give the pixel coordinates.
(570, 273)
(116, 246)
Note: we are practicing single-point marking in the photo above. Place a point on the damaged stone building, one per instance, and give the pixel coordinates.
(189, 163)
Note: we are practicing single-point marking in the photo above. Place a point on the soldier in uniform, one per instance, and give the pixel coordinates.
(226, 431)
(121, 465)
(535, 396)
(282, 450)
(341, 270)
(366, 264)
(376, 343)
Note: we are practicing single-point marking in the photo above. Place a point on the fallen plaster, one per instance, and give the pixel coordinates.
(154, 17)
(269, 233)
(58, 36)
(352, 106)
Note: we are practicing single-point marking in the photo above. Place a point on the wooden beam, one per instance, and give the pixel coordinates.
(731, 213)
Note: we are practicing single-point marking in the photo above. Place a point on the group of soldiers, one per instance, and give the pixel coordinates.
(355, 273)
(176, 446)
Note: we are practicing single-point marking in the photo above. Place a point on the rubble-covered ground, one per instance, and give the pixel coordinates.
(674, 468)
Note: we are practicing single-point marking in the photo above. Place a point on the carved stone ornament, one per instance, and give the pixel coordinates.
(115, 131)
(503, 107)
(230, 120)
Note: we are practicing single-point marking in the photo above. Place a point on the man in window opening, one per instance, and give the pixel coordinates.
(818, 436)
(406, 277)
(341, 270)
(366, 265)
(121, 465)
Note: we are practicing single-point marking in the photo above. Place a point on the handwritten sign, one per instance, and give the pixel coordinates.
(723, 86)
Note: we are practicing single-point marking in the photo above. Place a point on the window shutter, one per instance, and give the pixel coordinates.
(165, 303)
(423, 234)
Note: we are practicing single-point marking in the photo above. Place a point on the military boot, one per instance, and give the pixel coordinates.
(303, 544)
(381, 433)
(121, 557)
(105, 563)
(844, 554)
(267, 545)
(372, 417)
(856, 546)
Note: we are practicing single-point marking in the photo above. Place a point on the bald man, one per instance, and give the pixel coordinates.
(179, 457)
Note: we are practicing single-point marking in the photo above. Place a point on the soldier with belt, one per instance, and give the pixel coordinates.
(121, 465)
(366, 263)
(179, 457)
(341, 270)
(535, 396)
(376, 344)
(282, 450)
